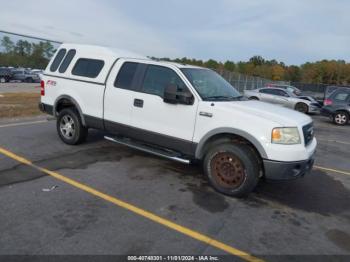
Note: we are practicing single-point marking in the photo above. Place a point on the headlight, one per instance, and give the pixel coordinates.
(285, 135)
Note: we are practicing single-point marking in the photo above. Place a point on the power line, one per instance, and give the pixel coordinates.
(28, 36)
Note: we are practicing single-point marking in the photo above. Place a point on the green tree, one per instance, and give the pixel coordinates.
(7, 44)
(211, 64)
(20, 48)
(293, 74)
(230, 66)
(257, 60)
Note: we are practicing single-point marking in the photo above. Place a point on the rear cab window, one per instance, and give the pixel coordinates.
(67, 60)
(58, 59)
(90, 68)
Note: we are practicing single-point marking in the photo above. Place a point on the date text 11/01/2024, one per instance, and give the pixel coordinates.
(173, 258)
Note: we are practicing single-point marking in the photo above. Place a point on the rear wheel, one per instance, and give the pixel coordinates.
(232, 169)
(70, 128)
(29, 80)
(341, 118)
(301, 107)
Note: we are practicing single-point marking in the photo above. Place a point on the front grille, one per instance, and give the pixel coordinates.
(308, 132)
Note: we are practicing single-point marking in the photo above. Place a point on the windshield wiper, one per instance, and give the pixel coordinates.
(238, 98)
(222, 98)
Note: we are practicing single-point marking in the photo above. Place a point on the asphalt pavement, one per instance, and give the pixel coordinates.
(42, 214)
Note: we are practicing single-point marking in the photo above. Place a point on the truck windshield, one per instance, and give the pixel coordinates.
(210, 85)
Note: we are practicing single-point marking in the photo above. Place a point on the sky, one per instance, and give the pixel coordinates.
(292, 31)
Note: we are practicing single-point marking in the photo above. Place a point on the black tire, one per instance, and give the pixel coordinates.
(29, 80)
(74, 135)
(302, 108)
(253, 98)
(232, 169)
(341, 118)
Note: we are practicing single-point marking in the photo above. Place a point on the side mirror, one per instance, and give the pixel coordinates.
(173, 96)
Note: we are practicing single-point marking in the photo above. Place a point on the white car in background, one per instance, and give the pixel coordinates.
(289, 88)
(285, 98)
(25, 75)
(38, 72)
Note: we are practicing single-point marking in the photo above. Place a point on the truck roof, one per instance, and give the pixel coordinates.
(109, 52)
(114, 53)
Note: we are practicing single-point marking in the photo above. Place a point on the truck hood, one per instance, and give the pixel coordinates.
(278, 114)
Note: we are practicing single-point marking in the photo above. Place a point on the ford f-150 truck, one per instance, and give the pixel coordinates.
(182, 112)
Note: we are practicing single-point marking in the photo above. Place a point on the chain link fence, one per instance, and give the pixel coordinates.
(315, 88)
(245, 82)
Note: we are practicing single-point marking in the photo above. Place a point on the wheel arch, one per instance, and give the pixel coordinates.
(228, 132)
(68, 101)
(342, 111)
(254, 98)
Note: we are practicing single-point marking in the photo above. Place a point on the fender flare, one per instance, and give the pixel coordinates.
(229, 130)
(74, 102)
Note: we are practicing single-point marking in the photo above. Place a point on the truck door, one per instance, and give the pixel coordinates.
(119, 97)
(157, 122)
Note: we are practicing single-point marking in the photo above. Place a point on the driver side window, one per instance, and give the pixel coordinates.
(157, 78)
(281, 93)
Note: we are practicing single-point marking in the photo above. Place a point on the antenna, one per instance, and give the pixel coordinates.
(29, 36)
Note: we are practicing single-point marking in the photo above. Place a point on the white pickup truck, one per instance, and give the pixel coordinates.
(181, 112)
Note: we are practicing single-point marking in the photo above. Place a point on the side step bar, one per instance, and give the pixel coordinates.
(148, 149)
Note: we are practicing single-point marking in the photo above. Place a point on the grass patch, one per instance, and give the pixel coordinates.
(19, 104)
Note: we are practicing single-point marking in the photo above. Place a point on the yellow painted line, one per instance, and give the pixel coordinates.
(139, 211)
(332, 170)
(24, 123)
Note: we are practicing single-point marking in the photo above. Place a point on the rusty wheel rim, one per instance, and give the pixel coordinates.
(227, 170)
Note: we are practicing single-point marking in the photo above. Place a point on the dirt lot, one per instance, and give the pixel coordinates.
(101, 198)
(19, 88)
(19, 104)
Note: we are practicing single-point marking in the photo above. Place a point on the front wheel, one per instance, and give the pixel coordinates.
(341, 118)
(302, 108)
(232, 169)
(2, 80)
(70, 128)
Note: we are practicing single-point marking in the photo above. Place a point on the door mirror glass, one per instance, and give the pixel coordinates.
(173, 95)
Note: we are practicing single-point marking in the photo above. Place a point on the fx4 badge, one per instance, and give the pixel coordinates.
(51, 83)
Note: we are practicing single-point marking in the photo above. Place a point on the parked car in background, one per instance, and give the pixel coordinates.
(290, 88)
(330, 89)
(5, 74)
(38, 72)
(25, 75)
(311, 99)
(283, 97)
(337, 106)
